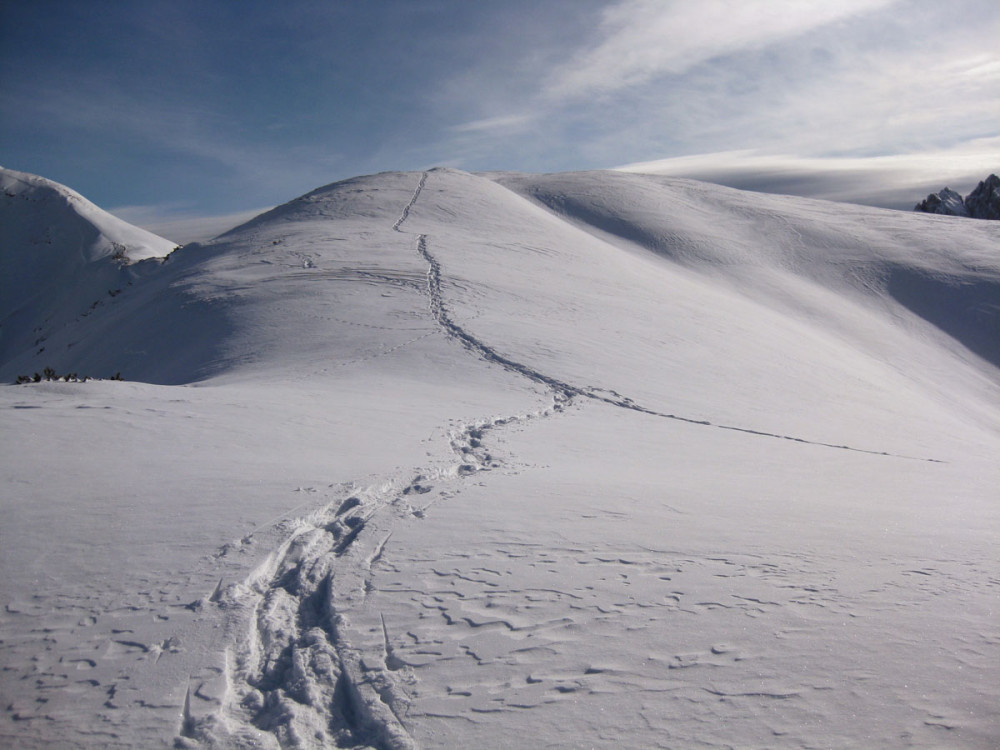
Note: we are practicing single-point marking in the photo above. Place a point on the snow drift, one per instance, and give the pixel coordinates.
(457, 460)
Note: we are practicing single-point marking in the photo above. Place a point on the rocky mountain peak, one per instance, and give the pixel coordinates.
(984, 201)
(981, 203)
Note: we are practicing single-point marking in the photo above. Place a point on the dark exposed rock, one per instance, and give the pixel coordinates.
(981, 203)
(984, 201)
(947, 202)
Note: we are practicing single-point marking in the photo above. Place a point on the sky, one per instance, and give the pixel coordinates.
(173, 113)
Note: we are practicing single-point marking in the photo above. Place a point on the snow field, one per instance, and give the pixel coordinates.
(447, 460)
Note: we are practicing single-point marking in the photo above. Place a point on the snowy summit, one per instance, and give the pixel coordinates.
(444, 459)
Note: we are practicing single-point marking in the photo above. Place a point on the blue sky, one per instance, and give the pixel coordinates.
(164, 110)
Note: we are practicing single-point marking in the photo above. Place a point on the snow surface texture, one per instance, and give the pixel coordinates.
(981, 203)
(447, 460)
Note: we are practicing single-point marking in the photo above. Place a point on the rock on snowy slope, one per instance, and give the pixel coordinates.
(62, 257)
(981, 203)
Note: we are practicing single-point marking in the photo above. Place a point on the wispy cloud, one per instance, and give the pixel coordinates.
(180, 226)
(504, 123)
(230, 109)
(643, 39)
(778, 87)
(895, 181)
(178, 130)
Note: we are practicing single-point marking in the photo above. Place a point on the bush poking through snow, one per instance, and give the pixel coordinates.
(50, 374)
(120, 254)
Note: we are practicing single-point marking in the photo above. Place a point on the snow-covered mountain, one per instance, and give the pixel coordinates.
(981, 203)
(451, 460)
(61, 257)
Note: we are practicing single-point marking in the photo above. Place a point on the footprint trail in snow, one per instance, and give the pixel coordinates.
(319, 667)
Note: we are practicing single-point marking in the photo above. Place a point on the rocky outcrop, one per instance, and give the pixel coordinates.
(981, 203)
(984, 201)
(947, 202)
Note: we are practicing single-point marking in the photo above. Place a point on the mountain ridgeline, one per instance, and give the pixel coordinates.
(88, 294)
(981, 203)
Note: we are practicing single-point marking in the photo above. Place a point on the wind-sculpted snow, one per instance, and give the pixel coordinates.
(567, 391)
(484, 461)
(967, 307)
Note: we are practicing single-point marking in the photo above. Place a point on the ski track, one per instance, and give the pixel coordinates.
(311, 666)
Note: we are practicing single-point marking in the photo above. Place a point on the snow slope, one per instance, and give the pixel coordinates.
(62, 257)
(455, 460)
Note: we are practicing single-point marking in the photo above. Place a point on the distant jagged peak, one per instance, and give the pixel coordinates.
(981, 203)
(946, 202)
(984, 201)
